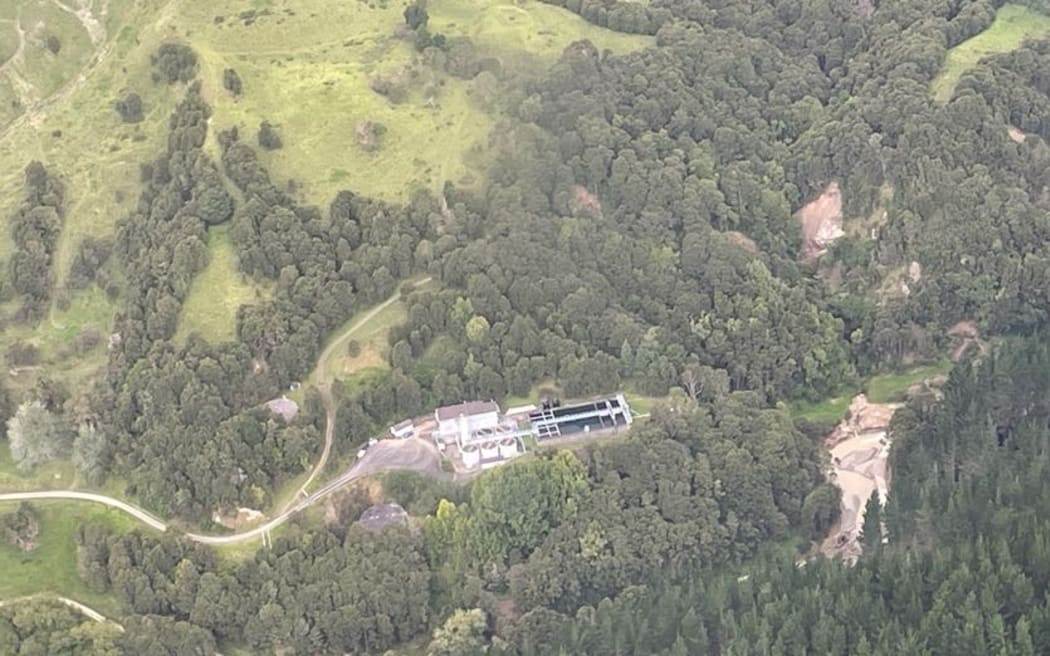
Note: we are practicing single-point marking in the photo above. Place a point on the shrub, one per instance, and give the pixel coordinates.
(232, 82)
(130, 108)
(268, 136)
(174, 62)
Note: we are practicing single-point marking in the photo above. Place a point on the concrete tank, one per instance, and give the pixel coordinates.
(508, 448)
(489, 450)
(471, 456)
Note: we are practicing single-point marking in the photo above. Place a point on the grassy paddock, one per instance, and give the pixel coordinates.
(1013, 24)
(58, 474)
(891, 387)
(526, 29)
(44, 70)
(372, 337)
(826, 411)
(882, 388)
(52, 566)
(307, 66)
(55, 335)
(211, 306)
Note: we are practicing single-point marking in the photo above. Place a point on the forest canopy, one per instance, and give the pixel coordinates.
(760, 209)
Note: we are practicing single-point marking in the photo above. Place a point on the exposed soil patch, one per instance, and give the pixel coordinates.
(1016, 135)
(915, 271)
(966, 336)
(859, 448)
(743, 241)
(239, 519)
(821, 220)
(368, 134)
(584, 202)
(862, 417)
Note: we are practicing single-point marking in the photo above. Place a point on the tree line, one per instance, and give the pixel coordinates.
(34, 230)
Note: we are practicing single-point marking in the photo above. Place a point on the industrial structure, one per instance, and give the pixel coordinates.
(484, 437)
(403, 430)
(556, 420)
(456, 423)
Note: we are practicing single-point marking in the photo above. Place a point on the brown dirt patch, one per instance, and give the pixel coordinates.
(1016, 135)
(584, 202)
(239, 519)
(743, 241)
(966, 336)
(862, 417)
(859, 450)
(821, 220)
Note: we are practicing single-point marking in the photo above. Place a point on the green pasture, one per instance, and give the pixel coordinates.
(1013, 24)
(524, 29)
(307, 67)
(210, 309)
(52, 565)
(830, 410)
(891, 387)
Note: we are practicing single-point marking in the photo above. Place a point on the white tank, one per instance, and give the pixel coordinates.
(471, 456)
(508, 448)
(489, 450)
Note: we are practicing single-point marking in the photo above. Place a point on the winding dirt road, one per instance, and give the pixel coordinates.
(321, 375)
(86, 611)
(323, 380)
(387, 455)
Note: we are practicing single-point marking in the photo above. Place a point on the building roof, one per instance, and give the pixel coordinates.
(467, 409)
(383, 515)
(402, 425)
(284, 407)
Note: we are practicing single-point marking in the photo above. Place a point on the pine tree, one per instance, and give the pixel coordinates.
(1023, 645)
(871, 532)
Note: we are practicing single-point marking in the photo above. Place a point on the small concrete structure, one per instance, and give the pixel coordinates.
(380, 516)
(471, 456)
(403, 430)
(508, 448)
(490, 450)
(284, 407)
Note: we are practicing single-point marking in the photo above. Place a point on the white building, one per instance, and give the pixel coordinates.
(458, 423)
(403, 430)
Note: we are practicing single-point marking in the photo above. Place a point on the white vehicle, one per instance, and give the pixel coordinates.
(372, 441)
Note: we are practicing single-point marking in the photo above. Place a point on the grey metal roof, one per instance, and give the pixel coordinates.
(284, 407)
(467, 409)
(382, 515)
